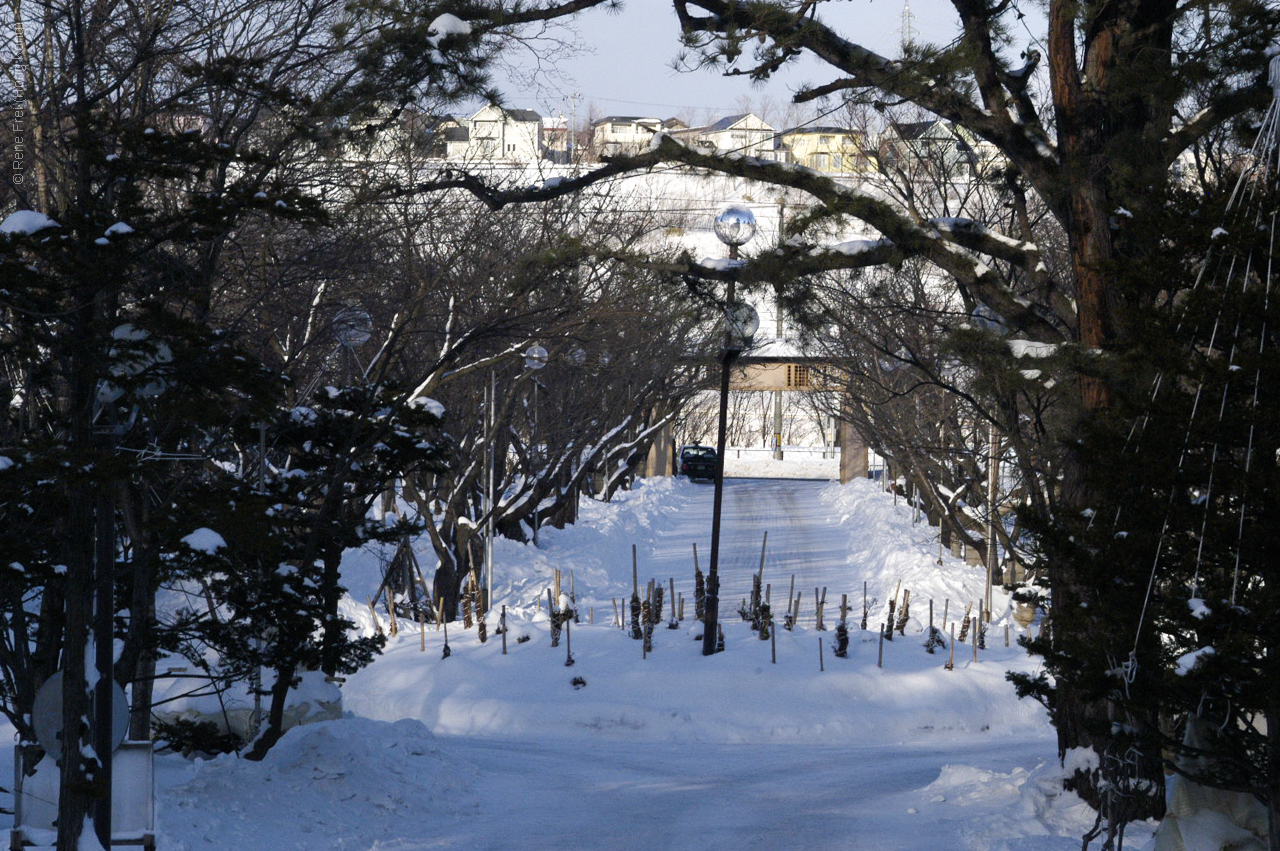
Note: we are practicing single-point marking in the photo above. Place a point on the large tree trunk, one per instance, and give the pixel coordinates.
(274, 730)
(1099, 113)
(75, 796)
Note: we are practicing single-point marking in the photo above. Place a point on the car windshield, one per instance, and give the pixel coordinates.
(699, 452)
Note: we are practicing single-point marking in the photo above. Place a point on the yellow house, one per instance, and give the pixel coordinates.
(832, 150)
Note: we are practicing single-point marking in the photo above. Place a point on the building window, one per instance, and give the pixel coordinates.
(797, 375)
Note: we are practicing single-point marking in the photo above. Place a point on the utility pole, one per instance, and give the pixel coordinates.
(779, 331)
(573, 122)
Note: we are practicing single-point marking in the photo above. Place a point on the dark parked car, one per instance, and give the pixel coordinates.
(698, 462)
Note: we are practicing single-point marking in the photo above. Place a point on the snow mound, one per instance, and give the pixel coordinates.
(26, 222)
(344, 784)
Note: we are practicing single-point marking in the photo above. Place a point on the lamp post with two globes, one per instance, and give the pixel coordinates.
(734, 227)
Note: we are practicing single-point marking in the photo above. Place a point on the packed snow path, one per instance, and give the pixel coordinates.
(804, 540)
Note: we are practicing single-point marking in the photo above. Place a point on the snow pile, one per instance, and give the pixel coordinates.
(337, 785)
(26, 222)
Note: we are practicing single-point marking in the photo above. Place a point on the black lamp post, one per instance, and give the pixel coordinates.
(734, 226)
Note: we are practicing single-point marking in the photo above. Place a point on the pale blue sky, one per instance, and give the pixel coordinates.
(629, 71)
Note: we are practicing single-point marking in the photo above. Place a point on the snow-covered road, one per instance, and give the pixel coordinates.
(729, 798)
(805, 540)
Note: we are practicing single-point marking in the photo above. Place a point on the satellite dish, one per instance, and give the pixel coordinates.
(46, 715)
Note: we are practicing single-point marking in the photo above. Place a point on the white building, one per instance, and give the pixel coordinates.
(626, 134)
(746, 134)
(512, 135)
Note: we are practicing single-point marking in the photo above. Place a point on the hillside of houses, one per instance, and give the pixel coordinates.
(494, 134)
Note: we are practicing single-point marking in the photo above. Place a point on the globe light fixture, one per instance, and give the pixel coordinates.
(735, 226)
(352, 326)
(535, 357)
(741, 321)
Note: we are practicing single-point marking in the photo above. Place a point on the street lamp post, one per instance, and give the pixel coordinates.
(535, 358)
(734, 226)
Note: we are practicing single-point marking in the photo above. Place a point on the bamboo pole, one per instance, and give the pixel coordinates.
(763, 545)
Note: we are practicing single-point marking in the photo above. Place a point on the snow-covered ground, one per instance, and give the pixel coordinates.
(673, 750)
(797, 462)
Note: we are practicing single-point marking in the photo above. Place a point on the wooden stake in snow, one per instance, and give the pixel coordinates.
(864, 605)
(636, 632)
(844, 608)
(422, 627)
(975, 638)
(880, 655)
(951, 651)
(674, 621)
(773, 641)
(503, 624)
(568, 643)
(446, 652)
(904, 612)
(1006, 635)
(553, 617)
(822, 665)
